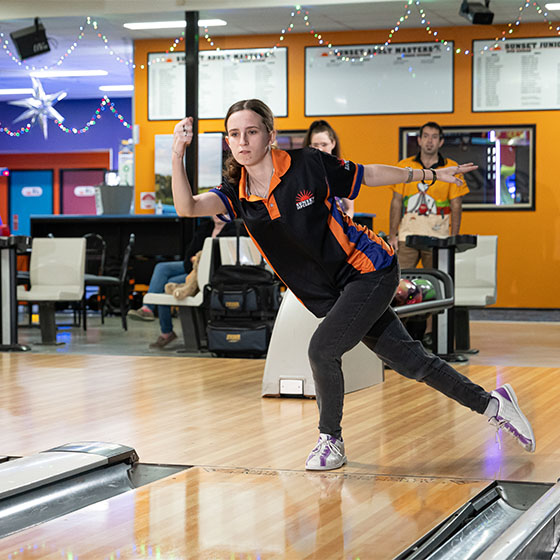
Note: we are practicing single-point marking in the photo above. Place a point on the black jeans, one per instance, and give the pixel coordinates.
(363, 313)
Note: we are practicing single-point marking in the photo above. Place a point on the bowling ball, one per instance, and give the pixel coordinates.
(407, 292)
(426, 287)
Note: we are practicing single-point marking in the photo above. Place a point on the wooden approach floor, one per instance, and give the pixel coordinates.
(414, 456)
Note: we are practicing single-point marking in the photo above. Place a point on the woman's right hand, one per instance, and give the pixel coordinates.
(182, 136)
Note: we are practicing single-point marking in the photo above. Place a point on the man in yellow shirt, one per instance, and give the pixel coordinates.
(427, 207)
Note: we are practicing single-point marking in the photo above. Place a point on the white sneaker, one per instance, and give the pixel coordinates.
(326, 455)
(510, 417)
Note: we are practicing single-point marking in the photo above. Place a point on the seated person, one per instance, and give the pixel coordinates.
(176, 272)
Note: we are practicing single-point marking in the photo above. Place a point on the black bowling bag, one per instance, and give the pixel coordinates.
(243, 291)
(241, 301)
(238, 340)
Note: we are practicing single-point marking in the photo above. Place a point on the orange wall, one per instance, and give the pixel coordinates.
(529, 242)
(54, 161)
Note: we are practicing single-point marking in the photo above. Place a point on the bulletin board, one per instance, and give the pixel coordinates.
(224, 77)
(516, 75)
(379, 79)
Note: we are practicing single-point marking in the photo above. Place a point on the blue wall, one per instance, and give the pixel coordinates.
(106, 134)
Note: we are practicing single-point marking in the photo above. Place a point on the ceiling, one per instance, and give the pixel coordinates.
(62, 21)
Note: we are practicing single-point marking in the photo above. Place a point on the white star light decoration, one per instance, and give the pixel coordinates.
(40, 106)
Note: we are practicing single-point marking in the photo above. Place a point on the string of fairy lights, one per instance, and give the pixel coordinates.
(297, 13)
(425, 22)
(304, 14)
(105, 103)
(89, 22)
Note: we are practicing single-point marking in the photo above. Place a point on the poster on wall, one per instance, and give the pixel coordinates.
(516, 75)
(162, 166)
(224, 77)
(379, 79)
(210, 150)
(126, 166)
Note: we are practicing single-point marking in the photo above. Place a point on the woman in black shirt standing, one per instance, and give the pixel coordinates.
(339, 270)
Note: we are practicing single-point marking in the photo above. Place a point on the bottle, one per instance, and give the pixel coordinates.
(159, 208)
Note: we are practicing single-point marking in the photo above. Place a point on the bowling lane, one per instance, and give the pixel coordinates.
(250, 513)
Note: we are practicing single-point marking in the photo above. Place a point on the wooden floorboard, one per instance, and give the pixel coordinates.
(414, 455)
(231, 513)
(209, 412)
(516, 343)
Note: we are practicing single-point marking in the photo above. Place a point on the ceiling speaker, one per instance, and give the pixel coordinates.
(31, 41)
(477, 13)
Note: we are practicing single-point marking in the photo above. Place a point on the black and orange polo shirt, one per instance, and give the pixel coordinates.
(301, 231)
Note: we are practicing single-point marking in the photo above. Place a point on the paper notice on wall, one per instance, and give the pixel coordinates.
(126, 168)
(147, 200)
(516, 75)
(224, 77)
(166, 86)
(227, 76)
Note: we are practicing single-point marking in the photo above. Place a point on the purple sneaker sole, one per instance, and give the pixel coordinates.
(511, 419)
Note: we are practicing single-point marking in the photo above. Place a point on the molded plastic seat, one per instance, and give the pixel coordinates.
(203, 277)
(249, 254)
(56, 270)
(476, 273)
(56, 273)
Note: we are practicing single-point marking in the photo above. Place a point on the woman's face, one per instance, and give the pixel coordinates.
(248, 138)
(322, 141)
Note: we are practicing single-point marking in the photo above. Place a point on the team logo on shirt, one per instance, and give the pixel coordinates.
(303, 199)
(344, 163)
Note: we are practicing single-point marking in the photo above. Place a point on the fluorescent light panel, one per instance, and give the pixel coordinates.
(67, 73)
(117, 88)
(16, 91)
(176, 24)
(552, 6)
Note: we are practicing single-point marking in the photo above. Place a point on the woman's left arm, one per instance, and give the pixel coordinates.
(376, 175)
